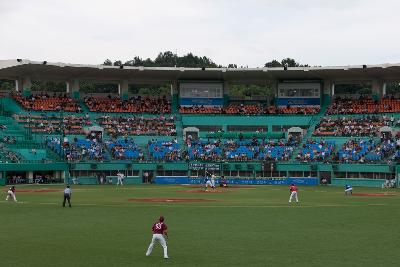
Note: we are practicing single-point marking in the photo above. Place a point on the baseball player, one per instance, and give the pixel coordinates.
(222, 182)
(348, 190)
(11, 192)
(159, 234)
(121, 177)
(293, 193)
(213, 181)
(67, 196)
(208, 182)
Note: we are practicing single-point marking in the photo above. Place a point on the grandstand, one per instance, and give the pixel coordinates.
(307, 132)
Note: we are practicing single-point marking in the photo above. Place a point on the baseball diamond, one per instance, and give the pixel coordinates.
(103, 219)
(199, 133)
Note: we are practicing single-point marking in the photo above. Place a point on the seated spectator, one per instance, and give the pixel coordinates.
(204, 150)
(9, 139)
(200, 110)
(8, 156)
(165, 150)
(125, 149)
(299, 110)
(80, 149)
(316, 151)
(244, 109)
(355, 150)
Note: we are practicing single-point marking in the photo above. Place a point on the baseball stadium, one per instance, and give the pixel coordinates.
(321, 129)
(192, 133)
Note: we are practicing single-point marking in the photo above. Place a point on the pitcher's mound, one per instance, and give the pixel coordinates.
(202, 191)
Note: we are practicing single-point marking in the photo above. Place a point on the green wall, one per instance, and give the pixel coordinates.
(93, 180)
(223, 120)
(357, 182)
(225, 166)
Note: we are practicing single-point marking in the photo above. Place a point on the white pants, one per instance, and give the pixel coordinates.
(119, 182)
(348, 190)
(293, 195)
(11, 193)
(160, 238)
(209, 184)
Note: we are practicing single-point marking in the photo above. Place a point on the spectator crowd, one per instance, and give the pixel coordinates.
(45, 102)
(240, 150)
(138, 104)
(348, 126)
(316, 151)
(123, 126)
(241, 109)
(54, 124)
(363, 105)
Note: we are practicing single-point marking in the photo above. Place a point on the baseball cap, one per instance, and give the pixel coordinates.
(161, 218)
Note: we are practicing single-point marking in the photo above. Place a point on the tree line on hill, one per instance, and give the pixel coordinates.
(170, 59)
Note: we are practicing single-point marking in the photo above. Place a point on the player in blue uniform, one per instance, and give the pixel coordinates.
(348, 190)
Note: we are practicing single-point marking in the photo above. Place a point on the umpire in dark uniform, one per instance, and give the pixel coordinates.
(67, 196)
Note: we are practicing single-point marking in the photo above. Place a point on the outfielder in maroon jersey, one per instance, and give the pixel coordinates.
(159, 234)
(293, 193)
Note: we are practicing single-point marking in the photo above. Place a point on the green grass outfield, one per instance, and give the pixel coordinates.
(252, 226)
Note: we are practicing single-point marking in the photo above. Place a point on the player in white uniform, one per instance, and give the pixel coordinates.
(11, 192)
(207, 182)
(213, 181)
(121, 177)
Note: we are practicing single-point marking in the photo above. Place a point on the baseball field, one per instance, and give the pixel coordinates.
(240, 226)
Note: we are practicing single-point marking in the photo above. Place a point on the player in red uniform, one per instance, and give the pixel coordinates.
(11, 192)
(293, 193)
(159, 234)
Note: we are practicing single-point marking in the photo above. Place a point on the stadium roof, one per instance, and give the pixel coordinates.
(43, 70)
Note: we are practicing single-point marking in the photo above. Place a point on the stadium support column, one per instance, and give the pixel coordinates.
(18, 85)
(377, 87)
(384, 89)
(123, 88)
(328, 89)
(3, 178)
(26, 86)
(73, 88)
(227, 87)
(174, 96)
(274, 87)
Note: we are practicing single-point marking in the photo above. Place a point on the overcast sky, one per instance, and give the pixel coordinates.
(248, 32)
